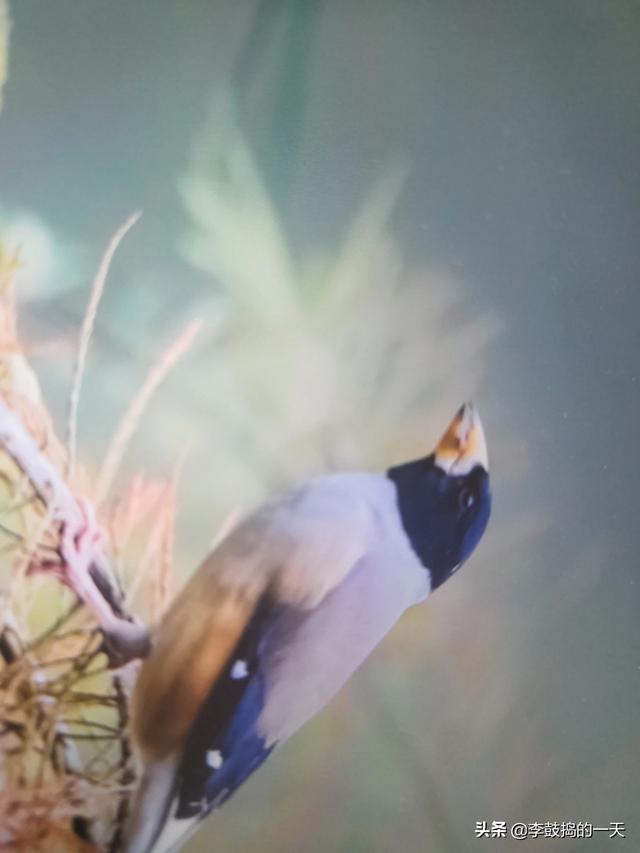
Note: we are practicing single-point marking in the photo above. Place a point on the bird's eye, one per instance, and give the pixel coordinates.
(466, 499)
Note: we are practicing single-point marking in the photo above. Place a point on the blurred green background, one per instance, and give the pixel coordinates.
(378, 210)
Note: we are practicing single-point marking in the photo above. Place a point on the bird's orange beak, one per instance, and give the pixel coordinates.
(463, 445)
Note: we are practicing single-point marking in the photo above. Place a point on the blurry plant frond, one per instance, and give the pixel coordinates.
(346, 359)
(65, 758)
(5, 26)
(238, 238)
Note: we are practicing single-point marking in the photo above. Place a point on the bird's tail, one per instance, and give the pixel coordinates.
(152, 805)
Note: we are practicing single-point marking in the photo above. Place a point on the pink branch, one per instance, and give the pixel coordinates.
(83, 565)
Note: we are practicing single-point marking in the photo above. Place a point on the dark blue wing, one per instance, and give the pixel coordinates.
(223, 747)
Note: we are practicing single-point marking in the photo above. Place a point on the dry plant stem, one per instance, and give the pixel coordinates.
(85, 335)
(125, 772)
(131, 419)
(83, 565)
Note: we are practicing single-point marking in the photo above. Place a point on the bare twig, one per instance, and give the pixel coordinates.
(54, 628)
(48, 484)
(85, 336)
(126, 772)
(83, 565)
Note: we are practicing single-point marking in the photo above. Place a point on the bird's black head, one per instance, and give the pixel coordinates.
(444, 499)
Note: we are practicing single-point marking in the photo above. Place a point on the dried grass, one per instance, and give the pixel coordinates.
(87, 331)
(132, 417)
(66, 763)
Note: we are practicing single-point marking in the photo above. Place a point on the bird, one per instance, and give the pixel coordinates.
(283, 611)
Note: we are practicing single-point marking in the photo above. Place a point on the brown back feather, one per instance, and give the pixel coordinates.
(192, 647)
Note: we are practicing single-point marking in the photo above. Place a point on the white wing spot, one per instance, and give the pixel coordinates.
(239, 670)
(214, 759)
